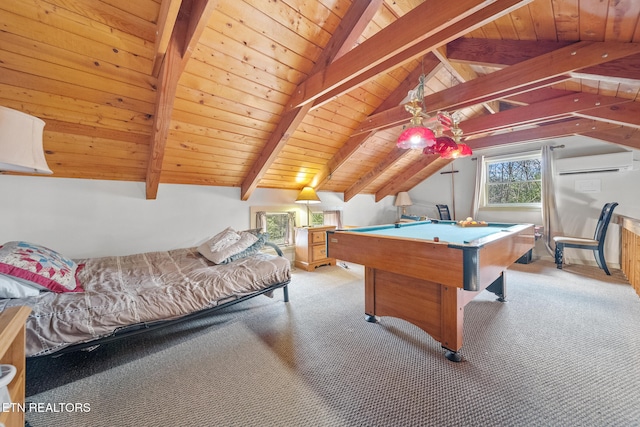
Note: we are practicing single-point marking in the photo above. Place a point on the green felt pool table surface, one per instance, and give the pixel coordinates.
(445, 231)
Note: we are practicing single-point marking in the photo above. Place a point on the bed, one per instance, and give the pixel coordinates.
(111, 298)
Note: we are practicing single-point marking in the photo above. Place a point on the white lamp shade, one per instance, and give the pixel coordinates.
(403, 199)
(21, 143)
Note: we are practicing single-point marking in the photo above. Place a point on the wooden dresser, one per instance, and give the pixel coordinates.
(12, 342)
(311, 247)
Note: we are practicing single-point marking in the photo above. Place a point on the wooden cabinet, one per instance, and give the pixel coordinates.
(630, 243)
(311, 247)
(12, 342)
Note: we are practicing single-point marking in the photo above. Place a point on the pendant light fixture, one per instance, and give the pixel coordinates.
(431, 139)
(416, 136)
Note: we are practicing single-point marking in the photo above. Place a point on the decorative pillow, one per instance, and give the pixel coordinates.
(12, 288)
(39, 267)
(225, 244)
(223, 240)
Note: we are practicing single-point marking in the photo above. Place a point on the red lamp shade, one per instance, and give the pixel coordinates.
(463, 150)
(444, 146)
(416, 137)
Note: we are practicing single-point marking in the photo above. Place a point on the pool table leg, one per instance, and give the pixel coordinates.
(453, 356)
(370, 318)
(499, 287)
(452, 304)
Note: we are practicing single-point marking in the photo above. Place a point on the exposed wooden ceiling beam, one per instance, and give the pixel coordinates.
(509, 52)
(166, 21)
(351, 27)
(541, 111)
(469, 23)
(625, 115)
(603, 78)
(429, 65)
(432, 20)
(499, 53)
(395, 155)
(538, 95)
(190, 23)
(629, 137)
(555, 130)
(521, 77)
(462, 73)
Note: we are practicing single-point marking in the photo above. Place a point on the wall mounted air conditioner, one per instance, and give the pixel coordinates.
(613, 162)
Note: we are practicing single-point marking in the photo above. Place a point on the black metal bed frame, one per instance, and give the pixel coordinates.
(140, 328)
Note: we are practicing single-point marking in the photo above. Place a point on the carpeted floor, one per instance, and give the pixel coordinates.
(563, 351)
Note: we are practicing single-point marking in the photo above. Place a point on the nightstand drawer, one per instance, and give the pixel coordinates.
(318, 237)
(318, 253)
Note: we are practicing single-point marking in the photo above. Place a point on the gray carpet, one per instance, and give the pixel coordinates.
(563, 351)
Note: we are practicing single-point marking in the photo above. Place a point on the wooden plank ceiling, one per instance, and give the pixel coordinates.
(283, 94)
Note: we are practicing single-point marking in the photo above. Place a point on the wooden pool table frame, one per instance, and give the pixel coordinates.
(429, 283)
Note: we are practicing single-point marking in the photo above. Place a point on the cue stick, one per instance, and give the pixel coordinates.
(453, 195)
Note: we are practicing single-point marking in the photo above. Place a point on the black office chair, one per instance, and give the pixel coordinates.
(596, 244)
(443, 211)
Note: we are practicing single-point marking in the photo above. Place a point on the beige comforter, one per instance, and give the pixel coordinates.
(126, 290)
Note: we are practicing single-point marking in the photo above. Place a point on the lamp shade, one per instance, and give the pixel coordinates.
(21, 143)
(308, 195)
(416, 138)
(463, 150)
(403, 199)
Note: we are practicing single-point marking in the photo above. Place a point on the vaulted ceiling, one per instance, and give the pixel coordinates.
(288, 93)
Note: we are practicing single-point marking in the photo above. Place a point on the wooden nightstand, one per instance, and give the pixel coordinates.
(311, 247)
(12, 342)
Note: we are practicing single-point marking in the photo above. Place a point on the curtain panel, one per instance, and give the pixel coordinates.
(333, 217)
(550, 220)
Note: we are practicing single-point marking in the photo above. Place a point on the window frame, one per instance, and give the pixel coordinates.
(507, 158)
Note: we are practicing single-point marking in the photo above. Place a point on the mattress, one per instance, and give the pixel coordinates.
(125, 290)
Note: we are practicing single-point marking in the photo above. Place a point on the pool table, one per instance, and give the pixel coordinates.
(426, 272)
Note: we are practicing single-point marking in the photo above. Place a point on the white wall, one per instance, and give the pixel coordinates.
(454, 189)
(583, 205)
(91, 218)
(578, 210)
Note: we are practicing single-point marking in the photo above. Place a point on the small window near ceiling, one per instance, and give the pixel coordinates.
(317, 218)
(513, 181)
(277, 224)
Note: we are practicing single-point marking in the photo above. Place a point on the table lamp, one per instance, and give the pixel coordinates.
(21, 143)
(403, 200)
(308, 195)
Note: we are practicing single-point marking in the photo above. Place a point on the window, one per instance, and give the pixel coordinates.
(279, 225)
(317, 218)
(513, 181)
